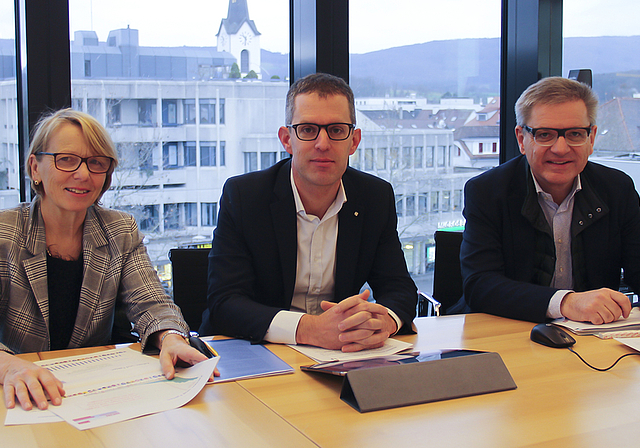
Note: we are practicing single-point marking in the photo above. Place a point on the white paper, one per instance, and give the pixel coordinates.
(634, 343)
(633, 321)
(391, 346)
(115, 385)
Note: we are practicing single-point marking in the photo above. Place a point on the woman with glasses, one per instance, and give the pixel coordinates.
(67, 264)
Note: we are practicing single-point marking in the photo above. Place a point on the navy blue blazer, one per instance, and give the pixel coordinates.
(498, 247)
(252, 264)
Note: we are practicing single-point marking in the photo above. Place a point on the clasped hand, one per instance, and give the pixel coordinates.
(351, 325)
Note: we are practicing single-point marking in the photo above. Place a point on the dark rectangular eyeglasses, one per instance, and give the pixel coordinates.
(71, 162)
(549, 136)
(310, 131)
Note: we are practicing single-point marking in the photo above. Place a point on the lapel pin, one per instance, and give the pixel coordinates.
(355, 213)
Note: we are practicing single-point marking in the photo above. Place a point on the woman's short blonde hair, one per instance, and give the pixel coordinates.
(97, 137)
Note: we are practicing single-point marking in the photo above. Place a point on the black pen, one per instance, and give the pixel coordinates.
(202, 347)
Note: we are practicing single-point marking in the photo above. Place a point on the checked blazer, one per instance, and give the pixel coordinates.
(116, 271)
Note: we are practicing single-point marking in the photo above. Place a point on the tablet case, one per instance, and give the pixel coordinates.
(423, 382)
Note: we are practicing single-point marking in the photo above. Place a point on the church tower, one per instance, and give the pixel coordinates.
(239, 36)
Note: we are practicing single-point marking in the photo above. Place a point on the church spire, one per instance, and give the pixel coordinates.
(238, 13)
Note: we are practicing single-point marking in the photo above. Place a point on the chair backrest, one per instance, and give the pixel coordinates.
(190, 269)
(447, 279)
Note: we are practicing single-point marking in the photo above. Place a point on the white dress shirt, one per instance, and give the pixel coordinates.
(315, 268)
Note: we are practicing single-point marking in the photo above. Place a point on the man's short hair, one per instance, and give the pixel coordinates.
(324, 85)
(555, 90)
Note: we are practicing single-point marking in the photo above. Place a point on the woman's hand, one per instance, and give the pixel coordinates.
(174, 349)
(27, 381)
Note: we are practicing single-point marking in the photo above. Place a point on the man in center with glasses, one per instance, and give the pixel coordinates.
(295, 243)
(548, 232)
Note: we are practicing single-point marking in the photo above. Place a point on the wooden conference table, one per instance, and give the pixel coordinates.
(559, 402)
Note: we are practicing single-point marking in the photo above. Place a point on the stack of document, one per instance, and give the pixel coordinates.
(239, 360)
(584, 328)
(391, 347)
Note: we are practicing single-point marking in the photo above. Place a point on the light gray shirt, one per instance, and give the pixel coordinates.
(559, 218)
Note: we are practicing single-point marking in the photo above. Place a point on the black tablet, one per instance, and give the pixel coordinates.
(341, 368)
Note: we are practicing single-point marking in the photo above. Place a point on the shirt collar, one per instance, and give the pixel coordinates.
(334, 208)
(577, 186)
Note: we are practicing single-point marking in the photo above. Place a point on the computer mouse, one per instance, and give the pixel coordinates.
(551, 336)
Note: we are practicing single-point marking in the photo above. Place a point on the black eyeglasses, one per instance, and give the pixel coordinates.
(549, 136)
(71, 162)
(310, 131)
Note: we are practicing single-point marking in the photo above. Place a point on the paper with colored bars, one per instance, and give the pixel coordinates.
(114, 385)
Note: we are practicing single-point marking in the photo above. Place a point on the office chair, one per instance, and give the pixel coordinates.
(190, 269)
(447, 278)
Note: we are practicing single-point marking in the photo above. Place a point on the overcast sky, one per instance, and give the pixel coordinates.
(403, 22)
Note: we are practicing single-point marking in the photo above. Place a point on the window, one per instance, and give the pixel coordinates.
(423, 204)
(429, 156)
(209, 211)
(171, 217)
(147, 115)
(442, 155)
(150, 78)
(87, 68)
(189, 106)
(480, 148)
(221, 110)
(395, 158)
(113, 112)
(169, 112)
(399, 206)
(145, 155)
(368, 159)
(381, 159)
(244, 61)
(191, 214)
(146, 216)
(170, 155)
(222, 154)
(267, 159)
(406, 157)
(94, 108)
(494, 147)
(615, 78)
(410, 205)
(435, 201)
(457, 199)
(250, 162)
(207, 154)
(417, 156)
(208, 111)
(190, 154)
(446, 201)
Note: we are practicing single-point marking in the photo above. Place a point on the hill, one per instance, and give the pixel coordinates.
(471, 67)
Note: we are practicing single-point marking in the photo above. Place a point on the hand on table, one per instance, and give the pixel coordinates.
(26, 381)
(597, 306)
(351, 325)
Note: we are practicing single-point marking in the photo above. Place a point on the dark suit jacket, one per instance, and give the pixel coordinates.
(252, 264)
(497, 252)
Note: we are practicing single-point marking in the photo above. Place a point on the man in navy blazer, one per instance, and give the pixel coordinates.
(548, 232)
(295, 243)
